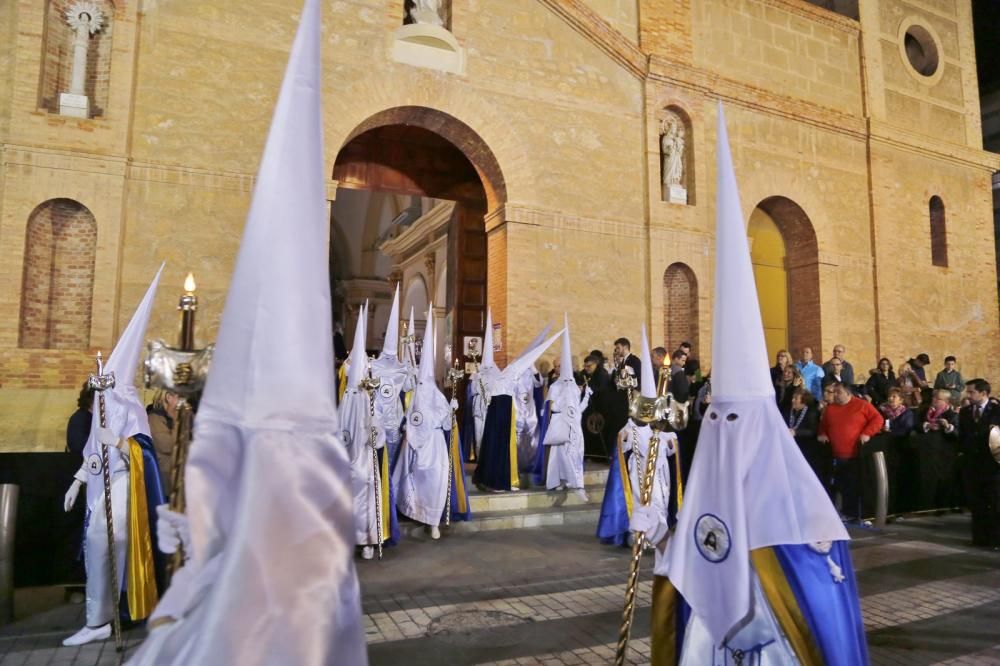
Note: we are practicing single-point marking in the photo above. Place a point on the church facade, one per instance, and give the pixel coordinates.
(544, 156)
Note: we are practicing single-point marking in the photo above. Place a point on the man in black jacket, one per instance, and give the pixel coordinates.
(980, 472)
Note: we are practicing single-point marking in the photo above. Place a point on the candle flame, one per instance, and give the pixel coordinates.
(189, 284)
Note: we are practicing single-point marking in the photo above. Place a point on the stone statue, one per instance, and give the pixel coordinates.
(427, 12)
(85, 18)
(672, 151)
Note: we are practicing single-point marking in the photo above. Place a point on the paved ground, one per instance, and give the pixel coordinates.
(554, 596)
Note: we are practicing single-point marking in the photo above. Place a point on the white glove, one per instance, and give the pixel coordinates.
(172, 530)
(647, 519)
(71, 495)
(454, 404)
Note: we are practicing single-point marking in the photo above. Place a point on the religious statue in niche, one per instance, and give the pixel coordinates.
(85, 18)
(672, 157)
(428, 12)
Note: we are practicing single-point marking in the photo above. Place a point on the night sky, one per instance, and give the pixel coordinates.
(986, 20)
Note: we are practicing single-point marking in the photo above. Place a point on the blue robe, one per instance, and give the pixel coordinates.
(612, 526)
(496, 456)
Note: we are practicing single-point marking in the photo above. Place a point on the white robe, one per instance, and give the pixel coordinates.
(421, 475)
(357, 424)
(527, 417)
(395, 377)
(100, 604)
(660, 497)
(566, 460)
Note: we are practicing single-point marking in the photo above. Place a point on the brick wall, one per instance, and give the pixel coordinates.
(680, 309)
(60, 246)
(57, 59)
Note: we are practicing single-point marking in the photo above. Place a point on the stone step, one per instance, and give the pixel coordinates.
(534, 498)
(510, 520)
(594, 474)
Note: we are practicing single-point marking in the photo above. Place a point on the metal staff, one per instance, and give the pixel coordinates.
(455, 373)
(658, 413)
(100, 383)
(368, 385)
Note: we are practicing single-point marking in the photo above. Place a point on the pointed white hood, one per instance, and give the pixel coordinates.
(537, 339)
(124, 411)
(566, 359)
(487, 360)
(749, 486)
(390, 347)
(267, 475)
(359, 357)
(528, 358)
(648, 388)
(426, 373)
(739, 354)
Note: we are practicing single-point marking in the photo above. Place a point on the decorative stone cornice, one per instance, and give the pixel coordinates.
(417, 235)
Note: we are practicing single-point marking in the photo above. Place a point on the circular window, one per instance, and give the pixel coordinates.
(921, 50)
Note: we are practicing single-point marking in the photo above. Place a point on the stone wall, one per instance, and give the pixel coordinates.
(560, 99)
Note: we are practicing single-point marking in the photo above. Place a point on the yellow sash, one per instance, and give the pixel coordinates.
(626, 481)
(785, 606)
(384, 504)
(515, 481)
(341, 381)
(140, 572)
(456, 465)
(663, 635)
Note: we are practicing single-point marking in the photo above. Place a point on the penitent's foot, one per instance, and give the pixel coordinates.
(89, 635)
(435, 532)
(367, 553)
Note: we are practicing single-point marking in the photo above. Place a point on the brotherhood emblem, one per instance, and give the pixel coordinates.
(386, 391)
(572, 412)
(712, 538)
(346, 435)
(94, 465)
(416, 418)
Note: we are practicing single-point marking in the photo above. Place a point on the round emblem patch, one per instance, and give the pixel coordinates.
(821, 547)
(571, 411)
(386, 391)
(94, 465)
(346, 436)
(711, 536)
(416, 418)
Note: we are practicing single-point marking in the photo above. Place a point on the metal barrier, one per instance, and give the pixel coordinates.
(881, 488)
(8, 523)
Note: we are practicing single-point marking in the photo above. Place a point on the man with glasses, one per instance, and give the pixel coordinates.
(846, 372)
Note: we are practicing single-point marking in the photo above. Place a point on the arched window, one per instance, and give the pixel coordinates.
(939, 237)
(58, 285)
(680, 307)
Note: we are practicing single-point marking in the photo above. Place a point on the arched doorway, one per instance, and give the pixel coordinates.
(414, 188)
(785, 258)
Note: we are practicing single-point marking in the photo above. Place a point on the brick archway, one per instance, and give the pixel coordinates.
(680, 307)
(451, 130)
(802, 269)
(420, 151)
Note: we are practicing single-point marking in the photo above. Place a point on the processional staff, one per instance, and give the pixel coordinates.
(100, 383)
(181, 370)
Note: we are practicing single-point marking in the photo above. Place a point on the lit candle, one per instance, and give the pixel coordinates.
(188, 306)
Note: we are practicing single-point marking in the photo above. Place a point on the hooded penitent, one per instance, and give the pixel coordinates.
(133, 500)
(498, 464)
(394, 378)
(758, 543)
(271, 577)
(564, 432)
(421, 475)
(526, 385)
